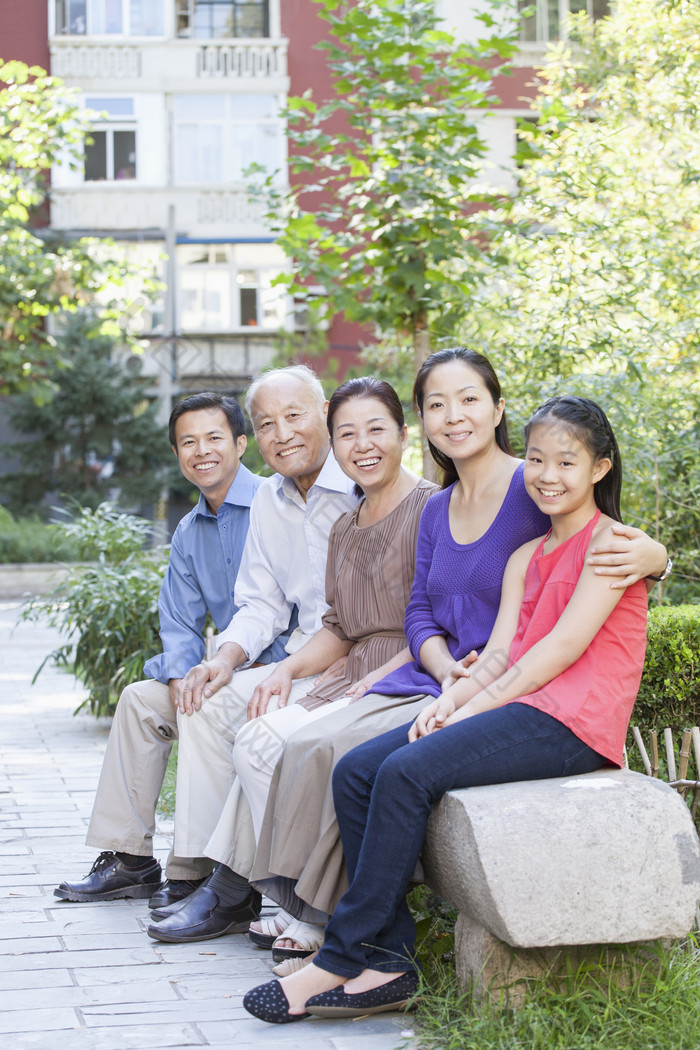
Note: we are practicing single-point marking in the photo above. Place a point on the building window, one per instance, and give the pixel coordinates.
(217, 137)
(110, 17)
(219, 291)
(217, 19)
(111, 153)
(547, 18)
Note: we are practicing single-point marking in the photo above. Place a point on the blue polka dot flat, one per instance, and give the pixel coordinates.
(269, 1003)
(396, 995)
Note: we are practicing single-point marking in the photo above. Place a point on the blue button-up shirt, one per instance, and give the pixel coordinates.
(205, 555)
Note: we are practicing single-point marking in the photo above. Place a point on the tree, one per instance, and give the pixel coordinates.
(40, 276)
(98, 433)
(597, 286)
(382, 213)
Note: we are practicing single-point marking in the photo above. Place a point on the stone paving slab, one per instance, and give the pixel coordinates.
(87, 976)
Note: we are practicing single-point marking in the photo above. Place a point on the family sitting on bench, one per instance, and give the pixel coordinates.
(525, 593)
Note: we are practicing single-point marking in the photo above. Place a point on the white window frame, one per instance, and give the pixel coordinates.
(542, 28)
(109, 123)
(233, 269)
(185, 19)
(90, 22)
(234, 116)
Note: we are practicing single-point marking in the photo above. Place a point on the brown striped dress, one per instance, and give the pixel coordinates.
(368, 583)
(369, 573)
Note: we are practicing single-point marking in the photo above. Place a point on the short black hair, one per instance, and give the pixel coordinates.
(196, 402)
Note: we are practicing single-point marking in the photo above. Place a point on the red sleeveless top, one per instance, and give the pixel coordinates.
(594, 697)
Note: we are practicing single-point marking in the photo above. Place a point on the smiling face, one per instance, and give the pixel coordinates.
(560, 472)
(208, 453)
(459, 415)
(290, 428)
(367, 443)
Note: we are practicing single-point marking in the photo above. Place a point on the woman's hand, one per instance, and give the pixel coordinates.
(630, 556)
(459, 669)
(358, 689)
(432, 717)
(335, 670)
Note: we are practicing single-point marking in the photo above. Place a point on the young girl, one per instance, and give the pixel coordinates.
(551, 695)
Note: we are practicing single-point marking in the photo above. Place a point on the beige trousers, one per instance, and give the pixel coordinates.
(143, 730)
(258, 748)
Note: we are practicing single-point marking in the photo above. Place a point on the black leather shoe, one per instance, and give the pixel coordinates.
(109, 879)
(158, 914)
(202, 917)
(172, 891)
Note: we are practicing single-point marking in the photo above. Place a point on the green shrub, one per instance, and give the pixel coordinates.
(109, 609)
(669, 694)
(32, 540)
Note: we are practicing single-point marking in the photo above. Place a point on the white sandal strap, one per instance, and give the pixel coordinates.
(273, 925)
(308, 936)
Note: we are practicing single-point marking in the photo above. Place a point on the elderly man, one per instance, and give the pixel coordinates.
(283, 569)
(207, 433)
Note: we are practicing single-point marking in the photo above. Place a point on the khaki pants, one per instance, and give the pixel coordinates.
(143, 730)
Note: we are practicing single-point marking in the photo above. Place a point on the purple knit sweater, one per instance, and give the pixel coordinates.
(457, 586)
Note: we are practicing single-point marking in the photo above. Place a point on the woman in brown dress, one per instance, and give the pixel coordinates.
(370, 566)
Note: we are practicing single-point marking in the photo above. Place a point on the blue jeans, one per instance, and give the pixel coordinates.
(384, 792)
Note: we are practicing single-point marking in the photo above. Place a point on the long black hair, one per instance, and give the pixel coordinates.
(484, 368)
(587, 422)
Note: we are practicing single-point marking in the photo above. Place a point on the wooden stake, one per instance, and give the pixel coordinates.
(670, 757)
(654, 753)
(684, 754)
(642, 750)
(695, 732)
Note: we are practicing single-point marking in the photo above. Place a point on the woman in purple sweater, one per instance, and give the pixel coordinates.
(466, 535)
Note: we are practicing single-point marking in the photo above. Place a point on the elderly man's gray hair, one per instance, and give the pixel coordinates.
(301, 372)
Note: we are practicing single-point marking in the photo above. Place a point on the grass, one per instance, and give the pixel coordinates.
(659, 1010)
(166, 802)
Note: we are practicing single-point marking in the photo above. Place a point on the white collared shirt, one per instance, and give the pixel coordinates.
(284, 560)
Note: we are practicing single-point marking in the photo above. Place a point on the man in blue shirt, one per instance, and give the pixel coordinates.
(207, 433)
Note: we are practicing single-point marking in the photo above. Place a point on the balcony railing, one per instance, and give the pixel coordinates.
(103, 60)
(242, 60)
(79, 61)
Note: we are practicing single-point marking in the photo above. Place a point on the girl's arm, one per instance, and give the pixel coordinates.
(587, 610)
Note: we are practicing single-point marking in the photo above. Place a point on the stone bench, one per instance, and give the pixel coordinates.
(538, 869)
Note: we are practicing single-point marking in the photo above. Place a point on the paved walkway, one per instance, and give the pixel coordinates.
(86, 976)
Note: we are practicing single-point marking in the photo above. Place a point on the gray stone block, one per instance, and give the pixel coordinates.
(606, 858)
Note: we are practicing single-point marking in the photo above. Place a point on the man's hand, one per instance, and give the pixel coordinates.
(278, 683)
(459, 669)
(431, 718)
(630, 557)
(206, 678)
